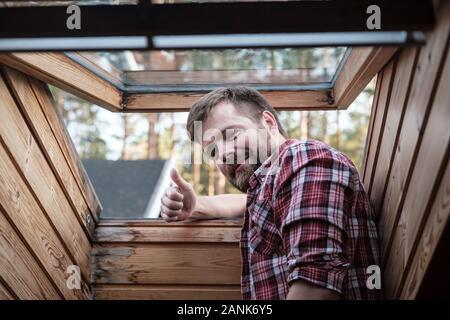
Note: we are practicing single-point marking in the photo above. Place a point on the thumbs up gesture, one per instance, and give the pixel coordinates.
(178, 201)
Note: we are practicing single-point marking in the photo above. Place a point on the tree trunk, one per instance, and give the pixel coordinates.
(220, 183)
(304, 125)
(325, 137)
(152, 136)
(196, 167)
(172, 132)
(126, 133)
(338, 131)
(211, 177)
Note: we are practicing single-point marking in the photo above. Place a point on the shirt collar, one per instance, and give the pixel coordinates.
(259, 175)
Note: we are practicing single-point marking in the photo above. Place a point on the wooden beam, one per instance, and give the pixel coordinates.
(121, 223)
(434, 228)
(169, 234)
(361, 66)
(60, 71)
(21, 276)
(26, 92)
(166, 292)
(168, 263)
(66, 144)
(49, 204)
(172, 102)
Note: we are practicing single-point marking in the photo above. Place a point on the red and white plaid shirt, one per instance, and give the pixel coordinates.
(310, 219)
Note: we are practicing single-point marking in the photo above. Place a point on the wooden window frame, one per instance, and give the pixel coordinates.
(80, 76)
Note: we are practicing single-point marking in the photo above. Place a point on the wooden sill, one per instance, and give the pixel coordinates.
(159, 231)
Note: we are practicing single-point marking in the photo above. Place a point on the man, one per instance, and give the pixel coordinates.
(309, 231)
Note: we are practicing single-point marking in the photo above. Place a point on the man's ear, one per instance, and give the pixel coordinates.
(269, 120)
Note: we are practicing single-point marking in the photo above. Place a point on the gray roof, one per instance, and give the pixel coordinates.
(124, 187)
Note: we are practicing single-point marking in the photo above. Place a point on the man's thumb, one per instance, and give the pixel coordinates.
(180, 182)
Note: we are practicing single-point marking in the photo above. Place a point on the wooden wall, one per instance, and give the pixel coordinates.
(407, 168)
(160, 260)
(48, 208)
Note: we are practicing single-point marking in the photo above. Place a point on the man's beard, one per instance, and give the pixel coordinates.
(241, 179)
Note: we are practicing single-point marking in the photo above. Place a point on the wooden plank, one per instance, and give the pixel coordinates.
(433, 148)
(404, 76)
(222, 223)
(60, 71)
(222, 77)
(166, 292)
(172, 102)
(427, 67)
(20, 270)
(431, 236)
(58, 127)
(379, 121)
(37, 121)
(373, 115)
(359, 69)
(167, 263)
(167, 234)
(22, 146)
(31, 222)
(5, 294)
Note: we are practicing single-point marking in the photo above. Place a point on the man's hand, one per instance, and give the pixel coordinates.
(179, 200)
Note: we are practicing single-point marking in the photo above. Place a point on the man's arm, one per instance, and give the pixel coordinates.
(304, 290)
(180, 202)
(223, 206)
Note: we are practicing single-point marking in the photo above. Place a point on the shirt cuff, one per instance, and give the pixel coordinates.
(332, 279)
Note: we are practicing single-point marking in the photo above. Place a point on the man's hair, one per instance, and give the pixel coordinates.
(244, 99)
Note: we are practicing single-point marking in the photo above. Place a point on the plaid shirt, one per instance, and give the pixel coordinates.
(310, 219)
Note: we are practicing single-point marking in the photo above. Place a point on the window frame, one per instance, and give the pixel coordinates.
(80, 76)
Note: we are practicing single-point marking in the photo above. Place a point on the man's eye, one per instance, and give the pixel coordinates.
(211, 150)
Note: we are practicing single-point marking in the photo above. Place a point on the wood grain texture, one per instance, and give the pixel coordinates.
(58, 127)
(167, 264)
(229, 223)
(434, 227)
(379, 121)
(403, 78)
(170, 102)
(19, 141)
(361, 66)
(5, 294)
(19, 269)
(60, 71)
(373, 116)
(433, 147)
(166, 292)
(167, 234)
(33, 224)
(153, 259)
(408, 182)
(35, 118)
(413, 125)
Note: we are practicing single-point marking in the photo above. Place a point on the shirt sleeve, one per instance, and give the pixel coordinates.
(311, 202)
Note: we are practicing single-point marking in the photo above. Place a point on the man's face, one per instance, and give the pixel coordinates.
(237, 143)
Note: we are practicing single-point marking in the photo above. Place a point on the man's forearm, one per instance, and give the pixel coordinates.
(224, 206)
(303, 290)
